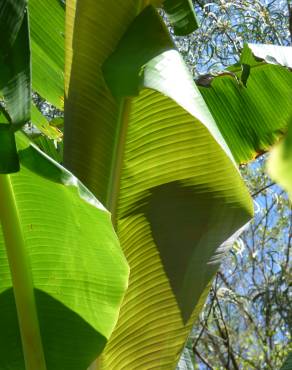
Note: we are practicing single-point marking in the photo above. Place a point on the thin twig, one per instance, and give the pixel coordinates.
(262, 189)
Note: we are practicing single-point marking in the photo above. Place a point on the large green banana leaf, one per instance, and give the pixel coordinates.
(79, 272)
(159, 163)
(254, 117)
(280, 160)
(100, 166)
(47, 23)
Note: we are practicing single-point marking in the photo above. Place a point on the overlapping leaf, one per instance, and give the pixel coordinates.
(11, 17)
(79, 272)
(42, 124)
(280, 161)
(15, 78)
(47, 46)
(251, 118)
(159, 163)
(181, 15)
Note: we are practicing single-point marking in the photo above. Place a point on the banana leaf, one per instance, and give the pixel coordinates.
(280, 160)
(11, 18)
(42, 124)
(47, 19)
(252, 118)
(79, 272)
(273, 54)
(181, 15)
(139, 134)
(15, 78)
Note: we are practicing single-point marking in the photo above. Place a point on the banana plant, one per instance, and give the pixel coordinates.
(139, 134)
(153, 172)
(158, 152)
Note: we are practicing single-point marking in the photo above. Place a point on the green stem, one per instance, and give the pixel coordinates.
(21, 278)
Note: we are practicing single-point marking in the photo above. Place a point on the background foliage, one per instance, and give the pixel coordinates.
(226, 24)
(246, 322)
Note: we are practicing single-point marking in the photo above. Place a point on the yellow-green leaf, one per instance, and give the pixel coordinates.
(159, 163)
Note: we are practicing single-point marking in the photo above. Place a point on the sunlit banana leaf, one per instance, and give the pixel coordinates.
(47, 19)
(254, 117)
(159, 163)
(280, 160)
(79, 272)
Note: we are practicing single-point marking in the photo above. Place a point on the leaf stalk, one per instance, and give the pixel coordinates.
(21, 278)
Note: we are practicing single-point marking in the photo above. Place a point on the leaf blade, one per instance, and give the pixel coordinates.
(47, 23)
(173, 164)
(261, 111)
(70, 266)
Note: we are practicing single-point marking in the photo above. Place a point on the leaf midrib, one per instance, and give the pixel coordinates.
(113, 188)
(124, 109)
